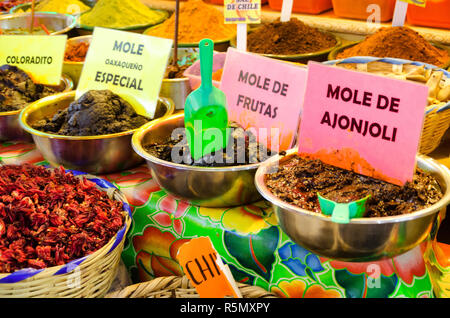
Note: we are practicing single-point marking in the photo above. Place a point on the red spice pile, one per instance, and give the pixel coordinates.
(49, 217)
(76, 52)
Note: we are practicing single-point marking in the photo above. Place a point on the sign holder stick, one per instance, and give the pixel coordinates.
(401, 8)
(241, 41)
(286, 10)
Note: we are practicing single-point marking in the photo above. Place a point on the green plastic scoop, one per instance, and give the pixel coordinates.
(343, 212)
(205, 110)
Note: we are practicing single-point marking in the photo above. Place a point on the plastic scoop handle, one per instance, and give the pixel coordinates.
(206, 47)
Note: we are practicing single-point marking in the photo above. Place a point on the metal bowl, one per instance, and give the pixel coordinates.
(363, 239)
(334, 53)
(91, 154)
(59, 23)
(319, 56)
(203, 186)
(178, 89)
(139, 28)
(73, 69)
(10, 128)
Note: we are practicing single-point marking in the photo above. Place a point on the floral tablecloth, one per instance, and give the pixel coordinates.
(252, 244)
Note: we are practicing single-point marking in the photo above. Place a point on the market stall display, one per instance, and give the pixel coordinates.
(396, 42)
(17, 90)
(196, 19)
(104, 150)
(63, 231)
(242, 235)
(129, 15)
(437, 112)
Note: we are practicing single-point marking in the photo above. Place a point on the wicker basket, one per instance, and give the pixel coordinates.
(437, 117)
(179, 287)
(90, 276)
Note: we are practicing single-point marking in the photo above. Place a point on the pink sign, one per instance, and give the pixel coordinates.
(362, 122)
(264, 93)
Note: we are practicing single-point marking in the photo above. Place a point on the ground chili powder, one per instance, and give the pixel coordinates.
(76, 52)
(49, 217)
(288, 38)
(398, 42)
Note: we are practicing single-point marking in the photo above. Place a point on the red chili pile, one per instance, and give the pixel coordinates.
(5, 6)
(49, 217)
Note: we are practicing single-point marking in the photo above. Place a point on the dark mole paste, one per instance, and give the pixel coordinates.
(17, 89)
(298, 180)
(97, 112)
(242, 149)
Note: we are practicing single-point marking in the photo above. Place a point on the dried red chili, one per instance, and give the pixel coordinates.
(49, 217)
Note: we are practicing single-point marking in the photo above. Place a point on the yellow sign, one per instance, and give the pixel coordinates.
(420, 3)
(242, 11)
(39, 56)
(203, 266)
(129, 64)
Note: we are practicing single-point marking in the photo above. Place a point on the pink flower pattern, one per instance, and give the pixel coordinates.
(171, 213)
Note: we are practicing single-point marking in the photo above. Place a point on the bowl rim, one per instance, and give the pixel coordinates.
(69, 87)
(127, 28)
(69, 26)
(139, 149)
(77, 39)
(274, 200)
(25, 112)
(332, 56)
(289, 57)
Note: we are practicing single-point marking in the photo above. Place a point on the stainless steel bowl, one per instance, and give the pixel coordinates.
(203, 186)
(58, 23)
(10, 128)
(177, 89)
(91, 154)
(363, 239)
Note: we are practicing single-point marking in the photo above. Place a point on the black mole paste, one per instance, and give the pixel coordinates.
(97, 112)
(17, 89)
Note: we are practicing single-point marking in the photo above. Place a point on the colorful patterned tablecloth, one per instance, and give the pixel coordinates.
(250, 241)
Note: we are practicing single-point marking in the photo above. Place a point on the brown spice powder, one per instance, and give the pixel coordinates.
(398, 42)
(288, 38)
